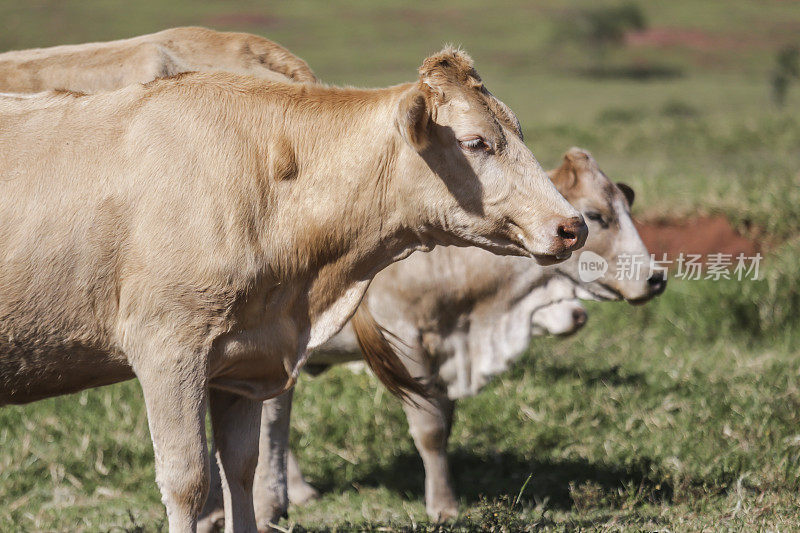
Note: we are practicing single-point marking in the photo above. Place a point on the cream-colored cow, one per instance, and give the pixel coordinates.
(463, 316)
(106, 66)
(203, 232)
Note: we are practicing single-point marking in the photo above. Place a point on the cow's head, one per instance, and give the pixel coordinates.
(615, 263)
(562, 313)
(561, 318)
(475, 182)
(499, 338)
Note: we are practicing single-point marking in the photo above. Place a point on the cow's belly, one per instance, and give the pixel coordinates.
(28, 377)
(264, 360)
(258, 362)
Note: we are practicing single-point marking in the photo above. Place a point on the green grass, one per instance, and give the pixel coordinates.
(680, 415)
(685, 417)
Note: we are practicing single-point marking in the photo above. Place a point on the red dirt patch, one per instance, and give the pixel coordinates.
(693, 39)
(700, 235)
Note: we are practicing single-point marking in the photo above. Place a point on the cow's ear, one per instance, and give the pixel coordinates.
(565, 177)
(414, 118)
(627, 191)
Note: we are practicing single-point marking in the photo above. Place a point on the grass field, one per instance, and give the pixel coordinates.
(682, 415)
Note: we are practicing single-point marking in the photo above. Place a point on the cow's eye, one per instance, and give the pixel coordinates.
(596, 217)
(473, 143)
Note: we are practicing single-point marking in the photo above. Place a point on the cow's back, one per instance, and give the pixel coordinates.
(106, 66)
(90, 67)
(239, 53)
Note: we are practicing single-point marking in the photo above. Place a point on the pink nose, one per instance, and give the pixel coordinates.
(570, 235)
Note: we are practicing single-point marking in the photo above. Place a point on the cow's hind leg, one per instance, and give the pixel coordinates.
(430, 423)
(213, 514)
(235, 420)
(174, 391)
(271, 493)
(300, 491)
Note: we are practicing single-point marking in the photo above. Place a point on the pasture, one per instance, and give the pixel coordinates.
(680, 415)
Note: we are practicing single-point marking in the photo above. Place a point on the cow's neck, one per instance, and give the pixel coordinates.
(351, 223)
(469, 278)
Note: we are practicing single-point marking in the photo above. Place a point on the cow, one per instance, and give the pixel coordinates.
(204, 232)
(463, 316)
(561, 314)
(106, 66)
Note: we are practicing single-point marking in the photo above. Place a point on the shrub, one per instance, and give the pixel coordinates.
(607, 26)
(787, 68)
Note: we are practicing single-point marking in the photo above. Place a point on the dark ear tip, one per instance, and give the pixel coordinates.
(627, 191)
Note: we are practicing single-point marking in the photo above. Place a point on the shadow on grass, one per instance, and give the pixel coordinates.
(504, 473)
(561, 484)
(611, 375)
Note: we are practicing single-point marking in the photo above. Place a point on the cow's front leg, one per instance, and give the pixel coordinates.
(235, 420)
(174, 391)
(270, 492)
(430, 423)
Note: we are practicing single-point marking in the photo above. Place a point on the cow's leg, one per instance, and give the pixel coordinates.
(235, 420)
(213, 513)
(270, 492)
(300, 491)
(175, 397)
(429, 424)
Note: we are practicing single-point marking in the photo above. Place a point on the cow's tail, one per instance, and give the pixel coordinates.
(382, 358)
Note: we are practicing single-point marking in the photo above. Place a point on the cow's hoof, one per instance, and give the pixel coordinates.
(269, 529)
(443, 513)
(212, 523)
(274, 517)
(302, 493)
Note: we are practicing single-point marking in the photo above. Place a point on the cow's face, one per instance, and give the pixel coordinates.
(623, 258)
(561, 312)
(562, 318)
(480, 185)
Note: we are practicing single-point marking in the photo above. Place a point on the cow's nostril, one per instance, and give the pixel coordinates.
(565, 233)
(572, 233)
(657, 283)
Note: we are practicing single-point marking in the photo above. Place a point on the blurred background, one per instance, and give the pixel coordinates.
(682, 414)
